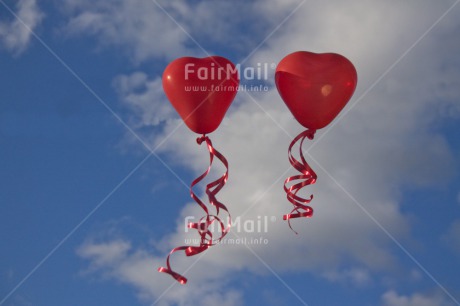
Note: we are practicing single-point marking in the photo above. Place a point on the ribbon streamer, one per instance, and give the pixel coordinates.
(307, 177)
(204, 224)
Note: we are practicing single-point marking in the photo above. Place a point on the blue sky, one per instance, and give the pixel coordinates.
(94, 162)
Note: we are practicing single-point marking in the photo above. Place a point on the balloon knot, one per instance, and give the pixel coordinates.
(199, 140)
(311, 134)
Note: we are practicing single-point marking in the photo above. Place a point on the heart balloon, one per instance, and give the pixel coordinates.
(201, 90)
(315, 87)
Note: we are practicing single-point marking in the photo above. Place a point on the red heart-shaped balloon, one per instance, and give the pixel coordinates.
(315, 87)
(201, 90)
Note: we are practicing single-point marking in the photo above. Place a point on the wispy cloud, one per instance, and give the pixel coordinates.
(14, 35)
(143, 30)
(145, 98)
(120, 261)
(137, 27)
(392, 298)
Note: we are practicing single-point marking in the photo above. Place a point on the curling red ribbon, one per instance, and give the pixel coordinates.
(307, 177)
(203, 225)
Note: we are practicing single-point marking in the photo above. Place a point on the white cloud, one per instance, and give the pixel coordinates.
(384, 143)
(14, 35)
(139, 27)
(118, 260)
(356, 276)
(391, 298)
(145, 31)
(104, 254)
(145, 98)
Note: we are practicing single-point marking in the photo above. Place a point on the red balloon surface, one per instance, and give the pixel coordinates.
(315, 87)
(201, 90)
